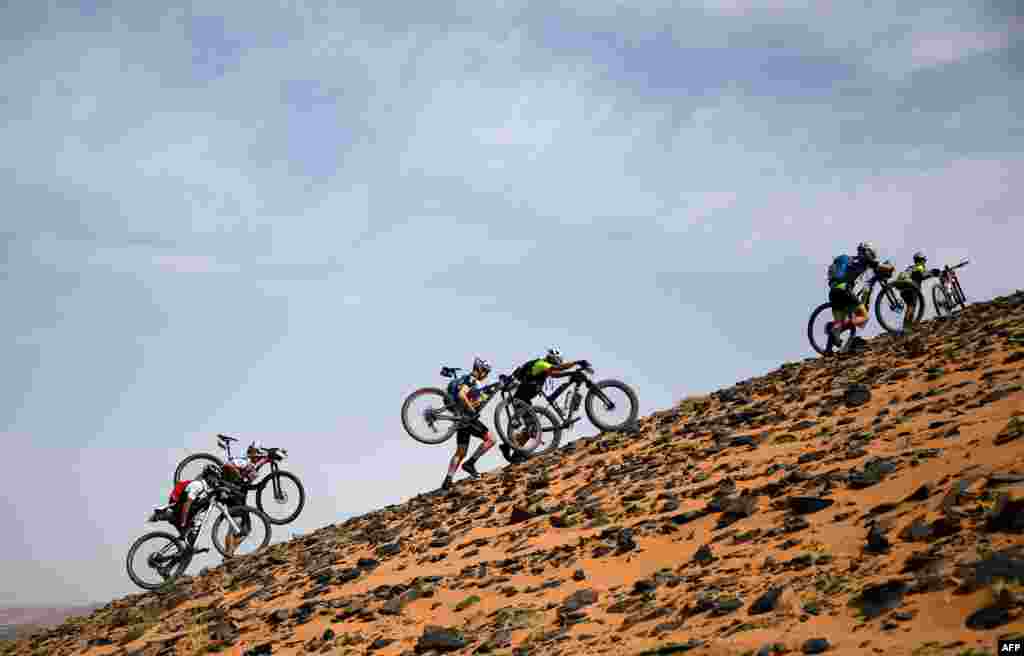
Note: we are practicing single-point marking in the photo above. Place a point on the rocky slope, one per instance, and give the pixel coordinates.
(869, 504)
(23, 620)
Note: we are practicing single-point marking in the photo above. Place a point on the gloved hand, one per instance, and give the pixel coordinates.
(936, 272)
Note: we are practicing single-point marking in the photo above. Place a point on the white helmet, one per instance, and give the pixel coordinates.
(554, 356)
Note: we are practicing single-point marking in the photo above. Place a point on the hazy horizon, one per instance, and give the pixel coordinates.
(276, 220)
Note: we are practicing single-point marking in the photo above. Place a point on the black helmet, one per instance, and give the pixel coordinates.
(211, 474)
(919, 257)
(481, 365)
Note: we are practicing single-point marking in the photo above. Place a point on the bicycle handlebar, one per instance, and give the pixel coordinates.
(964, 263)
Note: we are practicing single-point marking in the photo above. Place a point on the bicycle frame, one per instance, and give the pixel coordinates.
(193, 535)
(574, 401)
(949, 279)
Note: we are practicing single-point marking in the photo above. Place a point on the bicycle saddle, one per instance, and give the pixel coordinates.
(227, 438)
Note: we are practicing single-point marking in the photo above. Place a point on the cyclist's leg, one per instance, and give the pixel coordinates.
(859, 316)
(462, 442)
(910, 303)
(478, 429)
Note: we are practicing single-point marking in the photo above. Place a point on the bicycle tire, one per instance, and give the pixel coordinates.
(941, 301)
(424, 391)
(820, 347)
(530, 420)
(179, 569)
(591, 398)
(542, 412)
(215, 538)
(265, 484)
(958, 291)
(897, 289)
(209, 457)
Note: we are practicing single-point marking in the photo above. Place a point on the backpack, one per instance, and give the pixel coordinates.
(838, 269)
(522, 372)
(176, 493)
(455, 384)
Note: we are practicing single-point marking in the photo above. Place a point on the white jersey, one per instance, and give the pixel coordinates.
(196, 490)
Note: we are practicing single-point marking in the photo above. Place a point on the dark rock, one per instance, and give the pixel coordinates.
(876, 599)
(349, 575)
(857, 395)
(520, 515)
(688, 516)
(264, 649)
(920, 494)
(392, 549)
(625, 541)
(441, 639)
(579, 599)
(1006, 515)
(990, 617)
(877, 542)
(703, 555)
(815, 646)
(808, 505)
(766, 602)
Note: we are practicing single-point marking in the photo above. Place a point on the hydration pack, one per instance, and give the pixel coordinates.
(522, 372)
(838, 269)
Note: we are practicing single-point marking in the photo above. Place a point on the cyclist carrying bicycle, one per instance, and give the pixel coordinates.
(465, 391)
(914, 274)
(189, 497)
(532, 376)
(848, 311)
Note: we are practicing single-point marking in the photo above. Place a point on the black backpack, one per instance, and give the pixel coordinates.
(522, 372)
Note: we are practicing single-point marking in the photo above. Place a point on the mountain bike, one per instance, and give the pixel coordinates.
(598, 398)
(443, 415)
(891, 299)
(947, 294)
(168, 555)
(276, 481)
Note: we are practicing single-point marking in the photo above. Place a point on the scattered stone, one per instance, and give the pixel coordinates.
(766, 602)
(815, 646)
(441, 639)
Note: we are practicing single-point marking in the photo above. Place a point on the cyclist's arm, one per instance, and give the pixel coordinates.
(464, 397)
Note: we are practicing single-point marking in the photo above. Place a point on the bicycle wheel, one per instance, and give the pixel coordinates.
(550, 426)
(278, 492)
(523, 433)
(428, 416)
(162, 554)
(618, 407)
(190, 468)
(818, 335)
(941, 301)
(254, 533)
(890, 308)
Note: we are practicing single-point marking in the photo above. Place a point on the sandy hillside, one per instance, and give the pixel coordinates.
(872, 504)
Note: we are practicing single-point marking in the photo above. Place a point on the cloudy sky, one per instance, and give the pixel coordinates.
(276, 219)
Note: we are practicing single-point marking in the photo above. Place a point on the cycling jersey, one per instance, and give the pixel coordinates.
(188, 490)
(915, 273)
